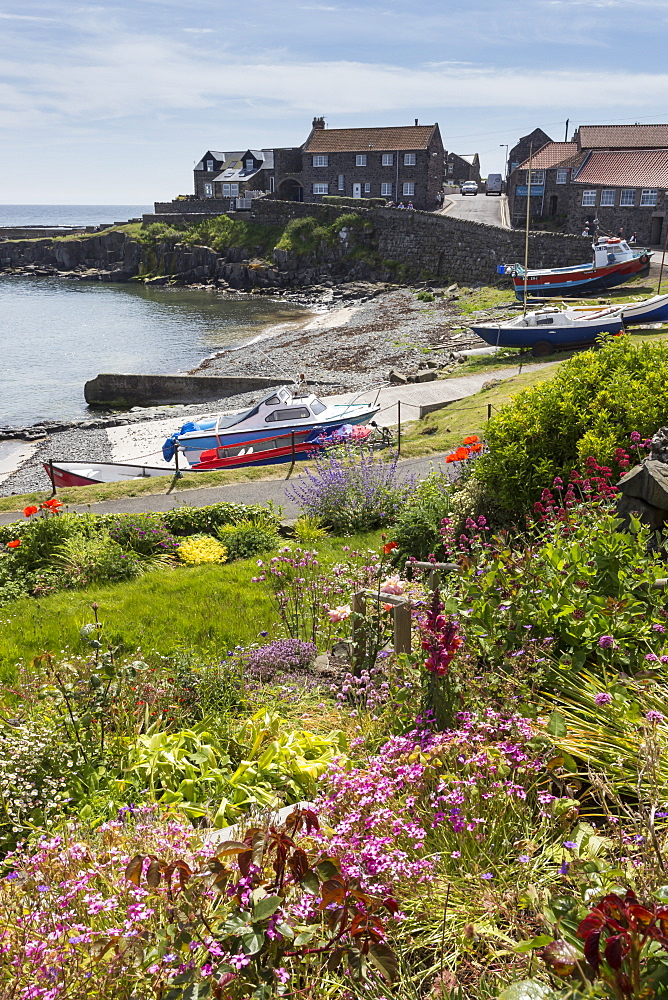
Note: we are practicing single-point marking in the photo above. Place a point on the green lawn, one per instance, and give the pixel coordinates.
(205, 610)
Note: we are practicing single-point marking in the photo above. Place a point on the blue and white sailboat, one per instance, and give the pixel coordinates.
(280, 414)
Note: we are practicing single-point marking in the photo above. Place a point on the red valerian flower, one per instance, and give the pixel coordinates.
(15, 544)
(29, 511)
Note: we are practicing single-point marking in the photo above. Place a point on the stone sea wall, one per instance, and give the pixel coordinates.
(159, 390)
(396, 246)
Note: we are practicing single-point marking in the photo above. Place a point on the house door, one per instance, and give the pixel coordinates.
(357, 190)
(655, 234)
(554, 201)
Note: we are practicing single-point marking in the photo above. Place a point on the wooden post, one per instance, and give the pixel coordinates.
(52, 478)
(398, 427)
(402, 627)
(489, 412)
(292, 465)
(526, 238)
(359, 645)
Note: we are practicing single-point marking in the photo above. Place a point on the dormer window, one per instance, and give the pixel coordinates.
(249, 164)
(209, 166)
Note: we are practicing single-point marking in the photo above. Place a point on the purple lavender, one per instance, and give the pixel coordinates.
(353, 493)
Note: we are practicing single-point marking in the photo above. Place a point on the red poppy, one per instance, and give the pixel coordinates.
(29, 511)
(476, 447)
(461, 454)
(387, 548)
(53, 505)
(450, 458)
(388, 607)
(15, 544)
(471, 439)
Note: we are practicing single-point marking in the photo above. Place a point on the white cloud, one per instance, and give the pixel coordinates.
(24, 17)
(199, 31)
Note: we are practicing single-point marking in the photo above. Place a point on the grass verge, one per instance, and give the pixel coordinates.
(444, 429)
(205, 610)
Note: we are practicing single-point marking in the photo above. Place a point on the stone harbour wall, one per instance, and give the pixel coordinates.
(161, 390)
(396, 246)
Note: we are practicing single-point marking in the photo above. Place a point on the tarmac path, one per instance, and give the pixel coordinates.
(478, 208)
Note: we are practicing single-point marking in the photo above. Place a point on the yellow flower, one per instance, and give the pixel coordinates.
(198, 549)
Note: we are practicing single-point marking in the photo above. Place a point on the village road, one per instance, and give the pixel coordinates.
(477, 208)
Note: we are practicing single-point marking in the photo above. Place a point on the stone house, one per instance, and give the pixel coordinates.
(234, 174)
(520, 152)
(613, 176)
(464, 167)
(401, 163)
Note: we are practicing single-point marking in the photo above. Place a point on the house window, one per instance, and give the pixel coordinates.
(249, 164)
(608, 197)
(321, 189)
(589, 198)
(388, 159)
(209, 165)
(367, 188)
(648, 196)
(537, 176)
(562, 176)
(409, 159)
(386, 190)
(627, 197)
(208, 190)
(271, 184)
(321, 161)
(514, 165)
(342, 183)
(408, 188)
(230, 190)
(360, 160)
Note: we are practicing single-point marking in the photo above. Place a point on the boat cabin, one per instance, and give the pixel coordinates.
(611, 250)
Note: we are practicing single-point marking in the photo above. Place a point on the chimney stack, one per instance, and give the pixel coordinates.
(318, 123)
(416, 121)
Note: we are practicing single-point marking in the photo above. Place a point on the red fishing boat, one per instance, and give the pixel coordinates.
(614, 262)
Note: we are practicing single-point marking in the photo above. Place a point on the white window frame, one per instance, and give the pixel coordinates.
(562, 176)
(589, 198)
(209, 166)
(367, 188)
(321, 160)
(648, 197)
(386, 189)
(226, 191)
(250, 164)
(271, 184)
(408, 189)
(360, 159)
(608, 198)
(208, 190)
(537, 176)
(234, 190)
(627, 198)
(341, 182)
(387, 160)
(409, 159)
(321, 189)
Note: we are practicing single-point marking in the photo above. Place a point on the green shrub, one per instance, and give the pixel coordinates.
(416, 529)
(425, 296)
(246, 539)
(42, 536)
(144, 534)
(98, 559)
(309, 530)
(195, 520)
(590, 407)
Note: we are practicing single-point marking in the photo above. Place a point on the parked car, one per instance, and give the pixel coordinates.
(494, 184)
(469, 187)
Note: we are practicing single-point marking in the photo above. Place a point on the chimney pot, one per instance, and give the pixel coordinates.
(318, 123)
(416, 121)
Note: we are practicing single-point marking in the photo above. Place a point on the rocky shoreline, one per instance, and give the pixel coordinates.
(362, 333)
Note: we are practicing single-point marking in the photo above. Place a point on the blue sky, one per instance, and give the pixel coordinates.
(112, 103)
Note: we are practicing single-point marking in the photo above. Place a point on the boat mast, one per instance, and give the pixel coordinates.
(526, 237)
(663, 261)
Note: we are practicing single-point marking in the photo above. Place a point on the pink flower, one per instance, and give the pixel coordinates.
(603, 698)
(392, 585)
(339, 614)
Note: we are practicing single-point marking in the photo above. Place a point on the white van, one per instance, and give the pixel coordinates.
(494, 184)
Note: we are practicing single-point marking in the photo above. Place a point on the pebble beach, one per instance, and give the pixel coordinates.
(358, 335)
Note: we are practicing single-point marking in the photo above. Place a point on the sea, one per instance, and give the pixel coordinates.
(55, 334)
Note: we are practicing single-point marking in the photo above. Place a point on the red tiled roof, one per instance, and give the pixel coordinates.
(550, 155)
(623, 136)
(355, 140)
(626, 168)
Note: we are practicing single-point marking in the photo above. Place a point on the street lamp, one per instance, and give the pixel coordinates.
(504, 145)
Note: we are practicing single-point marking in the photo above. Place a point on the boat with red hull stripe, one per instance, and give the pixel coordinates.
(614, 263)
